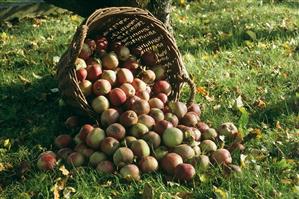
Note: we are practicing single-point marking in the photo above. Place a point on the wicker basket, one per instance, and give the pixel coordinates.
(133, 27)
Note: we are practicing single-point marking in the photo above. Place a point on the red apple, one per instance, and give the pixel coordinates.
(163, 97)
(149, 58)
(63, 141)
(110, 61)
(94, 72)
(75, 159)
(47, 161)
(138, 84)
(80, 63)
(100, 104)
(117, 97)
(162, 86)
(170, 161)
(128, 89)
(86, 87)
(131, 64)
(124, 76)
(91, 44)
(123, 53)
(109, 75)
(72, 122)
(101, 43)
(101, 87)
(81, 74)
(85, 52)
(184, 172)
(84, 131)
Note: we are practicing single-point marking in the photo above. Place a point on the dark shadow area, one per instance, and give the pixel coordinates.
(11, 11)
(270, 114)
(30, 117)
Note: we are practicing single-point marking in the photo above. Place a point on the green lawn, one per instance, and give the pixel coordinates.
(231, 48)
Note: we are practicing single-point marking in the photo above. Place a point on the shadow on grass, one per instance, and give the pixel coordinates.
(270, 114)
(30, 118)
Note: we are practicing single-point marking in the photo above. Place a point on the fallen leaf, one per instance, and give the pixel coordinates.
(36, 76)
(148, 192)
(7, 144)
(54, 90)
(277, 125)
(184, 195)
(238, 103)
(220, 193)
(64, 171)
(68, 191)
(242, 160)
(260, 103)
(203, 177)
(201, 90)
(24, 80)
(286, 181)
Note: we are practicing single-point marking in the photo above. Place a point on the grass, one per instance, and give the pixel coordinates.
(230, 48)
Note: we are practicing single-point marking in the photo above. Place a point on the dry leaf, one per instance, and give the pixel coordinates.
(24, 80)
(56, 191)
(220, 193)
(148, 192)
(260, 103)
(36, 76)
(67, 192)
(201, 90)
(277, 125)
(184, 195)
(64, 171)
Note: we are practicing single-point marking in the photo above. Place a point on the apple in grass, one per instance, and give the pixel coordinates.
(94, 138)
(170, 161)
(172, 137)
(63, 141)
(109, 145)
(105, 166)
(124, 76)
(140, 148)
(123, 156)
(130, 172)
(84, 131)
(80, 63)
(148, 164)
(184, 172)
(86, 87)
(117, 97)
(47, 161)
(75, 159)
(100, 104)
(128, 89)
(101, 87)
(81, 74)
(96, 158)
(94, 72)
(72, 122)
(110, 61)
(110, 76)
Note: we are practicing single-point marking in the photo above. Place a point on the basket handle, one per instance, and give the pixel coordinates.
(77, 42)
(186, 79)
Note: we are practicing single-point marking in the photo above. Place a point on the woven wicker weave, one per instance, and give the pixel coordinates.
(133, 27)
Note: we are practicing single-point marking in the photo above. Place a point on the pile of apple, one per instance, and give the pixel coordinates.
(139, 129)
